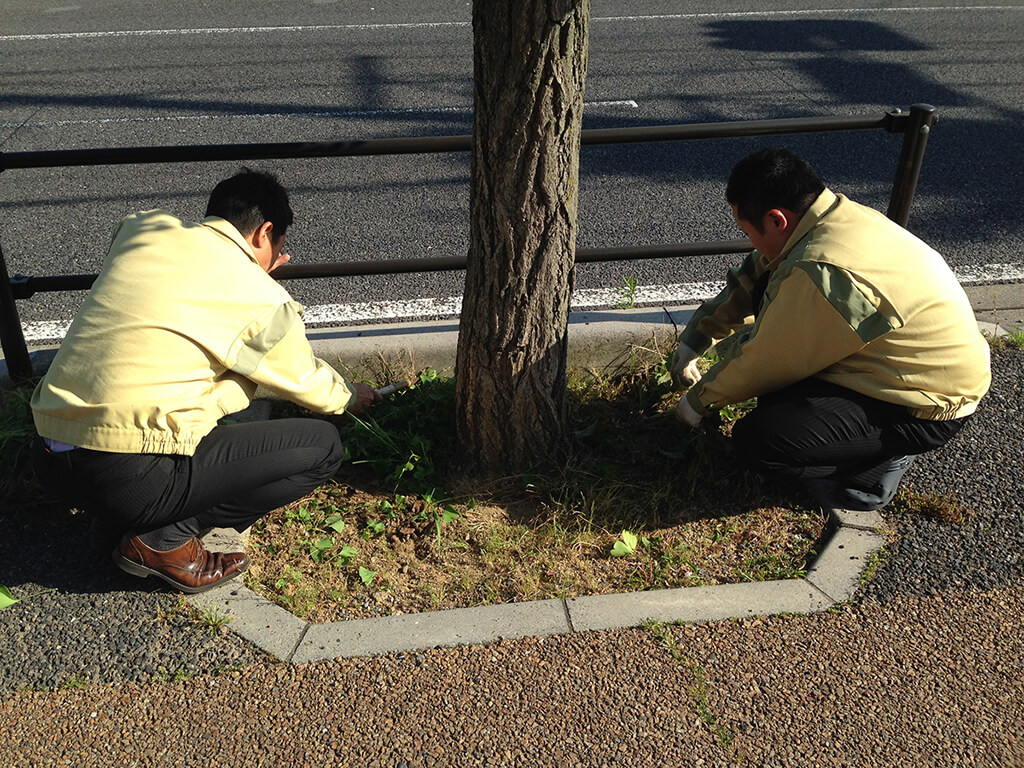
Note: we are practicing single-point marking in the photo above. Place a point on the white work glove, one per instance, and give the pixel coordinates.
(686, 414)
(684, 367)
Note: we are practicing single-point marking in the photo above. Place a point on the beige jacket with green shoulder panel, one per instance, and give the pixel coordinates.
(853, 299)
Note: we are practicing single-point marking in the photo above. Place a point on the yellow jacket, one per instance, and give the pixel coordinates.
(853, 299)
(180, 327)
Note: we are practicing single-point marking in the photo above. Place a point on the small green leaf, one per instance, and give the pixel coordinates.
(625, 546)
(621, 550)
(324, 544)
(346, 554)
(6, 598)
(449, 515)
(366, 575)
(335, 522)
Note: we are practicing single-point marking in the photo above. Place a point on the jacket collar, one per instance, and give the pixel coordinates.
(226, 229)
(821, 206)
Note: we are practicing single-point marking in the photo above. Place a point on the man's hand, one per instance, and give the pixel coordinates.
(365, 397)
(687, 415)
(684, 367)
(280, 261)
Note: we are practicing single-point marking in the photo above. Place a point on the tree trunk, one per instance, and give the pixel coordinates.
(530, 60)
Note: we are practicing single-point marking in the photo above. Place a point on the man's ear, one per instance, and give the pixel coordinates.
(778, 219)
(262, 235)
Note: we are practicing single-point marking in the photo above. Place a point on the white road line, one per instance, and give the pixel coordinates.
(335, 113)
(441, 24)
(229, 30)
(673, 294)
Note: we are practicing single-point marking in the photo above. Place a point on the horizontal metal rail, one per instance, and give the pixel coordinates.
(890, 121)
(26, 287)
(915, 124)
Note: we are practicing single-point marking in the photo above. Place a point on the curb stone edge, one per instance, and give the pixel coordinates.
(832, 578)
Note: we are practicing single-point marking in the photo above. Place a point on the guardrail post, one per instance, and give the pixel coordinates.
(12, 340)
(915, 137)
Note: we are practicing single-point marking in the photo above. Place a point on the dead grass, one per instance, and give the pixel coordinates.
(359, 549)
(947, 508)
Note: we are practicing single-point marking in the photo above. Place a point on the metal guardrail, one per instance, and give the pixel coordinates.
(915, 125)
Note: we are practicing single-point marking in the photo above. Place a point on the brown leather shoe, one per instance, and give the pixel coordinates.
(191, 567)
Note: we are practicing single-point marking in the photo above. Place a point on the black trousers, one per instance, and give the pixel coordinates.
(814, 429)
(238, 473)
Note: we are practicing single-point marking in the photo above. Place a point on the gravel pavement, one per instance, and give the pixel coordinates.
(924, 668)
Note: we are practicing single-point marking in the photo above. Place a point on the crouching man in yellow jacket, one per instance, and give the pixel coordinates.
(854, 336)
(182, 324)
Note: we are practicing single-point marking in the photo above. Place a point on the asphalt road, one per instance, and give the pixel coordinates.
(226, 71)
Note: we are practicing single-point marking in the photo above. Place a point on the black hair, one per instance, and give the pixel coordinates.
(250, 198)
(771, 178)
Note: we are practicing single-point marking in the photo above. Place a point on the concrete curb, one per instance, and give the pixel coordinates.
(832, 578)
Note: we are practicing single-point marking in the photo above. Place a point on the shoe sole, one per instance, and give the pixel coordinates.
(142, 571)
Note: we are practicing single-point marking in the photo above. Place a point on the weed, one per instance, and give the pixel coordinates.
(932, 505)
(627, 292)
(287, 579)
(74, 683)
(405, 434)
(16, 432)
(664, 636)
(876, 560)
(441, 518)
(318, 549)
(625, 546)
(212, 620)
(730, 414)
(175, 609)
(165, 676)
(1014, 338)
(629, 512)
(302, 515)
(698, 692)
(345, 556)
(436, 594)
(769, 566)
(7, 599)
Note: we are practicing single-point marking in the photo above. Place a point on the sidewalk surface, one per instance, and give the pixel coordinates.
(924, 666)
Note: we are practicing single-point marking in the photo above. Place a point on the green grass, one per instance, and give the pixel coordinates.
(1014, 339)
(16, 432)
(876, 561)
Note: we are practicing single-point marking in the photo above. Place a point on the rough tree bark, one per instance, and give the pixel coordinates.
(530, 59)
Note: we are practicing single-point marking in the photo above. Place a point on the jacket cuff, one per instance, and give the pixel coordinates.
(352, 393)
(694, 339)
(693, 398)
